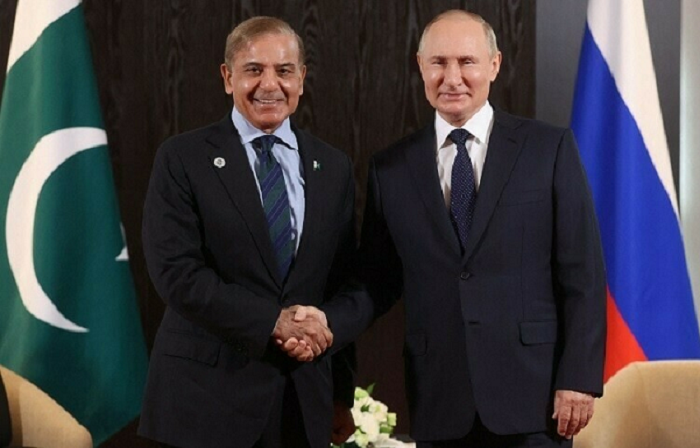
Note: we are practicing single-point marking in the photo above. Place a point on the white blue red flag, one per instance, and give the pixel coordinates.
(619, 127)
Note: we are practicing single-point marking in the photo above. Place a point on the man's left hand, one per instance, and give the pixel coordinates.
(343, 423)
(572, 410)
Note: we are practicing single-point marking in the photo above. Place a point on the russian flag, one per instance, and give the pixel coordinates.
(618, 124)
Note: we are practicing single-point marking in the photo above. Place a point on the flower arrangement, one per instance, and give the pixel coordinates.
(373, 420)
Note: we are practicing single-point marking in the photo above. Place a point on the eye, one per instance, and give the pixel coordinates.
(253, 70)
(285, 70)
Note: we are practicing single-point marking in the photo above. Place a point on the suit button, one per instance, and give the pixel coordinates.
(465, 275)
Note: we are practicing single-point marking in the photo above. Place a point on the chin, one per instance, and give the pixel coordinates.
(454, 112)
(271, 118)
(454, 108)
(268, 123)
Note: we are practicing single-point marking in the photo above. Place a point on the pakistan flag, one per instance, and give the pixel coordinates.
(69, 320)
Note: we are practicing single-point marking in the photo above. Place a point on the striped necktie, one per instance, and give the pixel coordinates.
(463, 196)
(275, 202)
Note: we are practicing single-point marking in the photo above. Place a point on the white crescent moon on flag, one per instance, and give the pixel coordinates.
(47, 156)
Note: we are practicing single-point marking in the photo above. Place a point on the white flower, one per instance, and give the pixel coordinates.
(368, 425)
(362, 440)
(373, 420)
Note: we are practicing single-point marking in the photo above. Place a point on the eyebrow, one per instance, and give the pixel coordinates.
(290, 65)
(439, 57)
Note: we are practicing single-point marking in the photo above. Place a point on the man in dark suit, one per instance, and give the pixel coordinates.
(484, 222)
(245, 220)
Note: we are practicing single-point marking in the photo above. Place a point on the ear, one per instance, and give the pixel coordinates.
(420, 62)
(227, 76)
(302, 74)
(495, 66)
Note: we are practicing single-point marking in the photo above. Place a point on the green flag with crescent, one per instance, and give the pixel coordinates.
(69, 320)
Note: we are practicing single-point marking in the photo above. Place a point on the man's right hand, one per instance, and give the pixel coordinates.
(302, 332)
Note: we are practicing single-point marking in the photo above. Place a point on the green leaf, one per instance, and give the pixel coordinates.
(370, 388)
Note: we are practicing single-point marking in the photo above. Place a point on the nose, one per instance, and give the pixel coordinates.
(268, 79)
(453, 75)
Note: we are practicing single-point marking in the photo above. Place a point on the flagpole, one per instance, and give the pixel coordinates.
(690, 141)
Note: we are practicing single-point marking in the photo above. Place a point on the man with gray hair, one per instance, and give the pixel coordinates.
(248, 229)
(483, 222)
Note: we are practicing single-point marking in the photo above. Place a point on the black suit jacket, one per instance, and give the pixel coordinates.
(213, 372)
(521, 313)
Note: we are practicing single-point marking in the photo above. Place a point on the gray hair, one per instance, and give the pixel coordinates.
(255, 27)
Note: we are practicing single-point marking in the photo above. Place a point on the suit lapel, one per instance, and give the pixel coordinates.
(239, 181)
(503, 150)
(313, 191)
(420, 157)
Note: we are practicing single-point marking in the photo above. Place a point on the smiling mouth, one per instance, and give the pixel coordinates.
(266, 102)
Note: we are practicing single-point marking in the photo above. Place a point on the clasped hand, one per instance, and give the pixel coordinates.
(302, 332)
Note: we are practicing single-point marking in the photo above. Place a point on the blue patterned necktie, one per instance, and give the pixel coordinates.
(275, 202)
(463, 196)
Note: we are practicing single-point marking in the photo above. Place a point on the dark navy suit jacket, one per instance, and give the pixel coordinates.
(213, 371)
(521, 313)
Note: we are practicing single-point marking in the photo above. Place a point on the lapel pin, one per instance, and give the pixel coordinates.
(219, 162)
(317, 165)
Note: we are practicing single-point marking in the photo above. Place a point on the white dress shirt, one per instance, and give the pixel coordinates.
(287, 156)
(479, 127)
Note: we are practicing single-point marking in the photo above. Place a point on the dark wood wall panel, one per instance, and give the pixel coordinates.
(157, 65)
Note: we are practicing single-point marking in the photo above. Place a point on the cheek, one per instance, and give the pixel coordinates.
(430, 76)
(434, 78)
(242, 89)
(292, 89)
(485, 84)
(477, 80)
(432, 83)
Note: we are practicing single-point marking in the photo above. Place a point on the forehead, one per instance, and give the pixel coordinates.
(459, 35)
(270, 47)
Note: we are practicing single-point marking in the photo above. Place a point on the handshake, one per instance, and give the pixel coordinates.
(302, 332)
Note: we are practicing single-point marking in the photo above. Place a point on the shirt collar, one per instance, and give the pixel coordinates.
(478, 126)
(248, 132)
